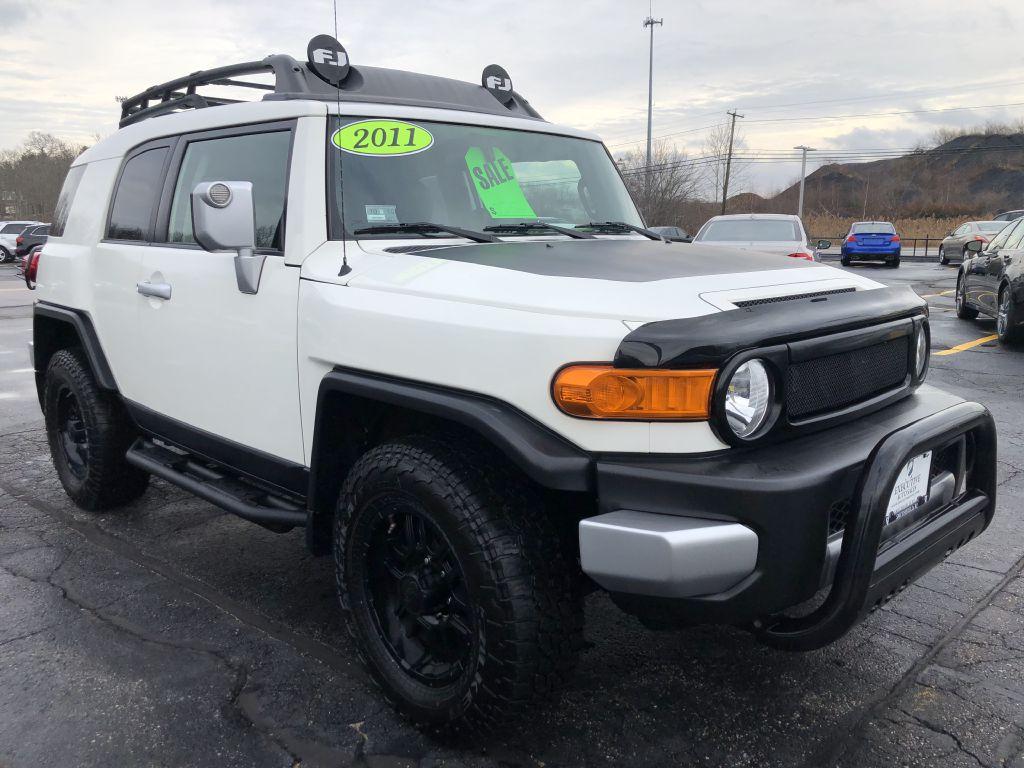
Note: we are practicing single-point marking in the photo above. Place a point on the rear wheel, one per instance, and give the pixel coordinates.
(963, 310)
(894, 262)
(1008, 318)
(942, 256)
(458, 594)
(5, 255)
(845, 261)
(89, 434)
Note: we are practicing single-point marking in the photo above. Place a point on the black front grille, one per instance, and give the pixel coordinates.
(833, 382)
(794, 297)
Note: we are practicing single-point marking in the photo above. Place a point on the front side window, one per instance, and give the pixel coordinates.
(750, 230)
(1000, 240)
(66, 198)
(261, 158)
(1016, 235)
(138, 192)
(12, 229)
(387, 172)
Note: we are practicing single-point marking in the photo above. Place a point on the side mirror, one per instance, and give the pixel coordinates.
(224, 219)
(824, 245)
(974, 246)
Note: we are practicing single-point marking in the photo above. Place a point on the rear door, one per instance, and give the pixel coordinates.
(222, 370)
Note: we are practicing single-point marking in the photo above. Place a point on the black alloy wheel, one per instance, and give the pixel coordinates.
(418, 595)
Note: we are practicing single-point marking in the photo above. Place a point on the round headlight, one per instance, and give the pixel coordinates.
(921, 352)
(748, 398)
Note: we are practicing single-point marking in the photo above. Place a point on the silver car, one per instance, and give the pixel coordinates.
(774, 233)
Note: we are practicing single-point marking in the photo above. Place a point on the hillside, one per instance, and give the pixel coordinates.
(965, 176)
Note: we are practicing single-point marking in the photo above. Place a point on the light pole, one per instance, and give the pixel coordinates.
(803, 175)
(728, 159)
(650, 22)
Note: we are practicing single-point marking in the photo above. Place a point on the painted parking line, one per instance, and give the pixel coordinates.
(968, 345)
(935, 295)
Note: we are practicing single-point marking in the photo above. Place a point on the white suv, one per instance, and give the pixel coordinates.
(414, 318)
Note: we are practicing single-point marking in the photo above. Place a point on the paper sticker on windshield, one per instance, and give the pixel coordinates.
(496, 183)
(382, 138)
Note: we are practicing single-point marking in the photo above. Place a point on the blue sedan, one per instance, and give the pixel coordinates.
(871, 241)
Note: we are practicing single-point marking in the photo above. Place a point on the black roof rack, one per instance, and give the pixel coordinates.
(294, 80)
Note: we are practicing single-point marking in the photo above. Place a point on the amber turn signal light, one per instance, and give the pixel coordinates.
(604, 392)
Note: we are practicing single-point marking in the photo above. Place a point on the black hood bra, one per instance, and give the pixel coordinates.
(625, 261)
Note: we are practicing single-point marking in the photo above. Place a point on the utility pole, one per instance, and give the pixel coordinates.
(728, 159)
(803, 175)
(650, 21)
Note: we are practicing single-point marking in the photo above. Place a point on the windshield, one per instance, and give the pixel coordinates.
(875, 227)
(392, 172)
(739, 230)
(991, 227)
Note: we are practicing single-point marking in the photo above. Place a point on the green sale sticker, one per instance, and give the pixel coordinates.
(382, 138)
(495, 182)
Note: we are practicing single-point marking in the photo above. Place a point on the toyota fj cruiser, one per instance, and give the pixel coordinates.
(409, 315)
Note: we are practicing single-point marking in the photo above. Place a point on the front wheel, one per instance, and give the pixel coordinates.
(457, 591)
(89, 434)
(5, 255)
(964, 310)
(1008, 318)
(942, 256)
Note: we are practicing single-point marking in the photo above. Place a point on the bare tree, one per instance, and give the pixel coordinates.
(31, 176)
(661, 190)
(715, 148)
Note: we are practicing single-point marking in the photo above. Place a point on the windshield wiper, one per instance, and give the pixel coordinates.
(528, 225)
(621, 226)
(424, 227)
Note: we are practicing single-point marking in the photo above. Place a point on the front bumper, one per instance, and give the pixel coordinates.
(787, 496)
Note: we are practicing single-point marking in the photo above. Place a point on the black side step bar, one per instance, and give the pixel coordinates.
(217, 486)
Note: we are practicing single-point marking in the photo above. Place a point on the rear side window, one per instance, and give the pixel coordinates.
(138, 192)
(261, 158)
(12, 229)
(66, 198)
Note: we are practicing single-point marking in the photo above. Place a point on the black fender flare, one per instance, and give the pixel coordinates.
(47, 339)
(544, 456)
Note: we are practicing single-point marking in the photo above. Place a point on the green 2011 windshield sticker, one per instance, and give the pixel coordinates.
(495, 182)
(382, 138)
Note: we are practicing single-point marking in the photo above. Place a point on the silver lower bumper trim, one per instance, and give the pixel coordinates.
(664, 555)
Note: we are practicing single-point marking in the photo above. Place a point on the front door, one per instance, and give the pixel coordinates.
(990, 266)
(221, 370)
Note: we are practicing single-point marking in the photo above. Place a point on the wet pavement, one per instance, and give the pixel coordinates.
(171, 633)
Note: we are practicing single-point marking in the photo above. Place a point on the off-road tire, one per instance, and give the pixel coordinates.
(942, 256)
(106, 479)
(1010, 332)
(963, 310)
(518, 578)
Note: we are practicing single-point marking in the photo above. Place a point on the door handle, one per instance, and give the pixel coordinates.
(156, 290)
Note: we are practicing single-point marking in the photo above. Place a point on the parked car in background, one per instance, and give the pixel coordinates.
(954, 246)
(1009, 215)
(31, 237)
(774, 233)
(675, 234)
(991, 281)
(8, 237)
(871, 241)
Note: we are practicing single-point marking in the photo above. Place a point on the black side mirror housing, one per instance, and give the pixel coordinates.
(824, 245)
(974, 246)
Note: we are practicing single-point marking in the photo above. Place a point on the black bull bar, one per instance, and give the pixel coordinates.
(863, 577)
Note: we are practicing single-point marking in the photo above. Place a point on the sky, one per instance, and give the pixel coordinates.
(825, 74)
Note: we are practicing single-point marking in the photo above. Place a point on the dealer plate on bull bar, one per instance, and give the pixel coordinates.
(911, 489)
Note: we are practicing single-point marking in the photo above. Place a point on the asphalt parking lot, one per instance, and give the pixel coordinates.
(171, 633)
